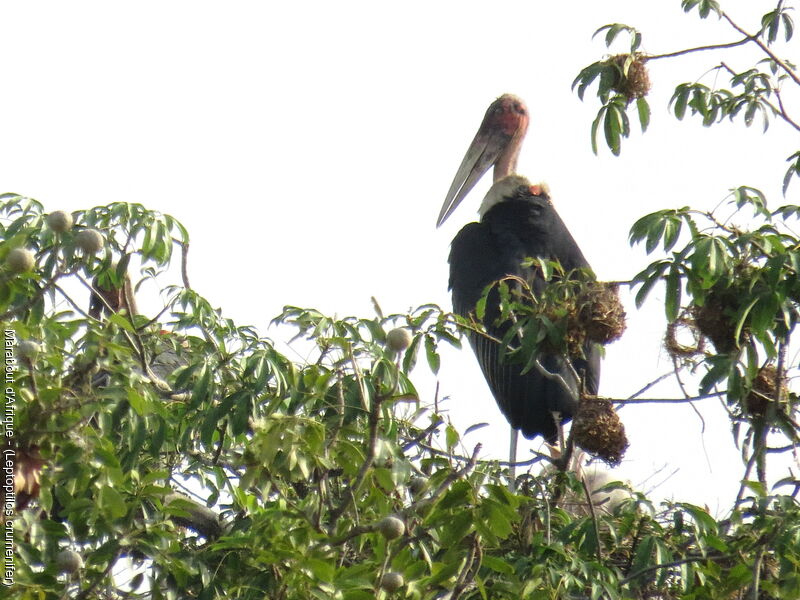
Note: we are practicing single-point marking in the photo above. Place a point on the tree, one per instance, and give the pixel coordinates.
(197, 455)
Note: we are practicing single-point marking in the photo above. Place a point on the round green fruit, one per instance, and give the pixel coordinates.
(28, 349)
(59, 221)
(398, 339)
(20, 260)
(68, 561)
(392, 581)
(89, 240)
(391, 527)
(417, 485)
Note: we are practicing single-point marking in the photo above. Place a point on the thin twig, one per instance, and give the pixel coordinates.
(782, 110)
(674, 563)
(779, 110)
(15, 312)
(340, 406)
(670, 400)
(74, 304)
(430, 429)
(698, 49)
(461, 581)
(757, 574)
(372, 442)
(414, 507)
(111, 562)
(657, 380)
(789, 71)
(745, 478)
(588, 492)
(184, 265)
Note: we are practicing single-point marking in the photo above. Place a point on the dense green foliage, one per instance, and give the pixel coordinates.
(286, 469)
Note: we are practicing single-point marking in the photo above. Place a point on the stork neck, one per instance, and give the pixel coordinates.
(506, 165)
(507, 162)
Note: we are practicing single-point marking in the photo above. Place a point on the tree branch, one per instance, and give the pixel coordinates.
(789, 71)
(699, 49)
(372, 441)
(674, 563)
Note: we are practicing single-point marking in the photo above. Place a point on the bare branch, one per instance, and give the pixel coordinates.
(782, 111)
(593, 515)
(698, 49)
(789, 71)
(674, 563)
(184, 264)
(372, 442)
(657, 380)
(669, 400)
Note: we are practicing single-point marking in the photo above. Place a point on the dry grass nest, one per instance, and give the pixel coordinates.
(764, 391)
(600, 313)
(597, 430)
(714, 321)
(635, 83)
(674, 347)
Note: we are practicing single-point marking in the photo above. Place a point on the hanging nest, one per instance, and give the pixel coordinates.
(714, 321)
(764, 391)
(635, 83)
(674, 347)
(601, 314)
(598, 430)
(106, 296)
(573, 336)
(27, 476)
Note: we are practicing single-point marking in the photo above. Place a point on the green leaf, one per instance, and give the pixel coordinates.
(430, 353)
(612, 130)
(788, 26)
(644, 290)
(680, 99)
(672, 230)
(497, 564)
(586, 77)
(321, 570)
(497, 518)
(112, 502)
(451, 436)
(756, 487)
(672, 302)
(122, 322)
(106, 458)
(770, 23)
(138, 403)
(643, 109)
(644, 552)
(595, 127)
(457, 527)
(705, 522)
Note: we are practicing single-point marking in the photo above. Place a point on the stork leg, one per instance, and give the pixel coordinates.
(512, 458)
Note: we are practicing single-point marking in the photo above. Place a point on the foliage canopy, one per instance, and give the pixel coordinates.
(186, 456)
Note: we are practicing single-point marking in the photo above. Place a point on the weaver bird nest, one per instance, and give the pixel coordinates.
(635, 82)
(597, 430)
(764, 391)
(592, 314)
(600, 313)
(675, 330)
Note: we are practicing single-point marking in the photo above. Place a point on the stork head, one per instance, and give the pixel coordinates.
(509, 187)
(497, 144)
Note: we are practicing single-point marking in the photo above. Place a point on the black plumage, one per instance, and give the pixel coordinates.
(521, 224)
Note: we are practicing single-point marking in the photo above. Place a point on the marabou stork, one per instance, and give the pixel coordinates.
(517, 220)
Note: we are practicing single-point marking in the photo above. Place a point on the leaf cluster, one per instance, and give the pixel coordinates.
(737, 286)
(752, 93)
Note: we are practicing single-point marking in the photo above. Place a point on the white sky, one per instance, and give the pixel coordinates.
(308, 148)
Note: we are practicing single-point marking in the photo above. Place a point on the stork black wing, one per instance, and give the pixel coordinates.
(484, 252)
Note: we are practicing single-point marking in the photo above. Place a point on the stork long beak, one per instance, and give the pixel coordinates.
(497, 143)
